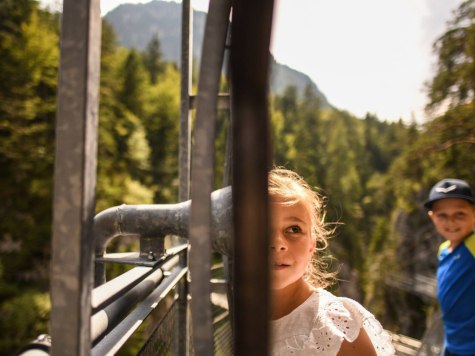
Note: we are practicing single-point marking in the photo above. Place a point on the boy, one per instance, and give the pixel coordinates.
(451, 207)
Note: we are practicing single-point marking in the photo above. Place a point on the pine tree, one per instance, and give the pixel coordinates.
(123, 151)
(162, 134)
(133, 92)
(454, 82)
(152, 58)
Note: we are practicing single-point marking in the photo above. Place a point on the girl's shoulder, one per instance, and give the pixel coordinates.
(321, 324)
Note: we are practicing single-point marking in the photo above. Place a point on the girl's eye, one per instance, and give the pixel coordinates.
(294, 229)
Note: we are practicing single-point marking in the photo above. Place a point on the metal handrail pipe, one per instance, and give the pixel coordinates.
(107, 292)
(147, 220)
(113, 341)
(171, 263)
(152, 222)
(108, 317)
(120, 302)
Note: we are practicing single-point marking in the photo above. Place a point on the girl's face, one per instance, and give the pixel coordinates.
(292, 244)
(454, 219)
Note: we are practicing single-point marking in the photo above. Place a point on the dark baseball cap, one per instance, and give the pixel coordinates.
(449, 188)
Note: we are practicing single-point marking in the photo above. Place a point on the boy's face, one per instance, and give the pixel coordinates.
(454, 219)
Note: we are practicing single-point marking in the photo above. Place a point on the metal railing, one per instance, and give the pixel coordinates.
(80, 295)
(112, 324)
(151, 224)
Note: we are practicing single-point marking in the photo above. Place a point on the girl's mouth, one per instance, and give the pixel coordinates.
(277, 266)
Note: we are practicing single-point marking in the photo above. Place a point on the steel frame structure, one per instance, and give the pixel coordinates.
(76, 232)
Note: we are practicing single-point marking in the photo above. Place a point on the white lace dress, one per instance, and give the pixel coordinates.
(321, 323)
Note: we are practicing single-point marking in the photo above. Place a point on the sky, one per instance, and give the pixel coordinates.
(366, 56)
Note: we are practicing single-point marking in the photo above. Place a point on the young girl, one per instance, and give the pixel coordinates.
(306, 319)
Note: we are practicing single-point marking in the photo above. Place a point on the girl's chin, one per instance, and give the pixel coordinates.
(277, 286)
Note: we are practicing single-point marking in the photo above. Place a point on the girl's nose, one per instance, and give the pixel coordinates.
(277, 242)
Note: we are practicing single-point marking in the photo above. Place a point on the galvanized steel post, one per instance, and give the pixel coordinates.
(184, 161)
(202, 174)
(75, 178)
(185, 116)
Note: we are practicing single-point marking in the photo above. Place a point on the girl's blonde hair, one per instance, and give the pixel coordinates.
(290, 188)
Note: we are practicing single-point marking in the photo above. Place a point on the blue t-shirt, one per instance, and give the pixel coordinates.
(456, 294)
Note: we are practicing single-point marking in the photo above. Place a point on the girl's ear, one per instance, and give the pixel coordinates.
(313, 245)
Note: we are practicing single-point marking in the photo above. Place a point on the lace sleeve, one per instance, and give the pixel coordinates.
(382, 341)
(323, 323)
(360, 317)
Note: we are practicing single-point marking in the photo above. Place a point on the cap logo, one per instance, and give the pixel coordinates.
(446, 190)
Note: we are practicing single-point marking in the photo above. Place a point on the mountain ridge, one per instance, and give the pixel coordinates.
(136, 24)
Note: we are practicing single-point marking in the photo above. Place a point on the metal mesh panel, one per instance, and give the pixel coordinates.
(162, 338)
(223, 338)
(433, 338)
(223, 343)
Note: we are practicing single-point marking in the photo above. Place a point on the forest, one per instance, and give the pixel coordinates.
(375, 173)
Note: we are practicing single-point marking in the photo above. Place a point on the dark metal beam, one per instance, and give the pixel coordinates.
(75, 177)
(250, 60)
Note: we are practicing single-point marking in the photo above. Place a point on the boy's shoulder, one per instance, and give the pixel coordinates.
(443, 246)
(470, 244)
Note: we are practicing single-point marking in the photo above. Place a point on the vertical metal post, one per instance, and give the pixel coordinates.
(75, 178)
(250, 60)
(228, 157)
(202, 175)
(228, 261)
(185, 115)
(186, 66)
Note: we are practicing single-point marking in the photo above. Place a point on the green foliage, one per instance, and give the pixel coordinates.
(13, 13)
(283, 135)
(123, 157)
(153, 61)
(453, 84)
(123, 150)
(22, 319)
(133, 92)
(28, 71)
(344, 156)
(29, 57)
(162, 135)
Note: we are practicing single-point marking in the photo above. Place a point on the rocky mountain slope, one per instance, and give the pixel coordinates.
(136, 24)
